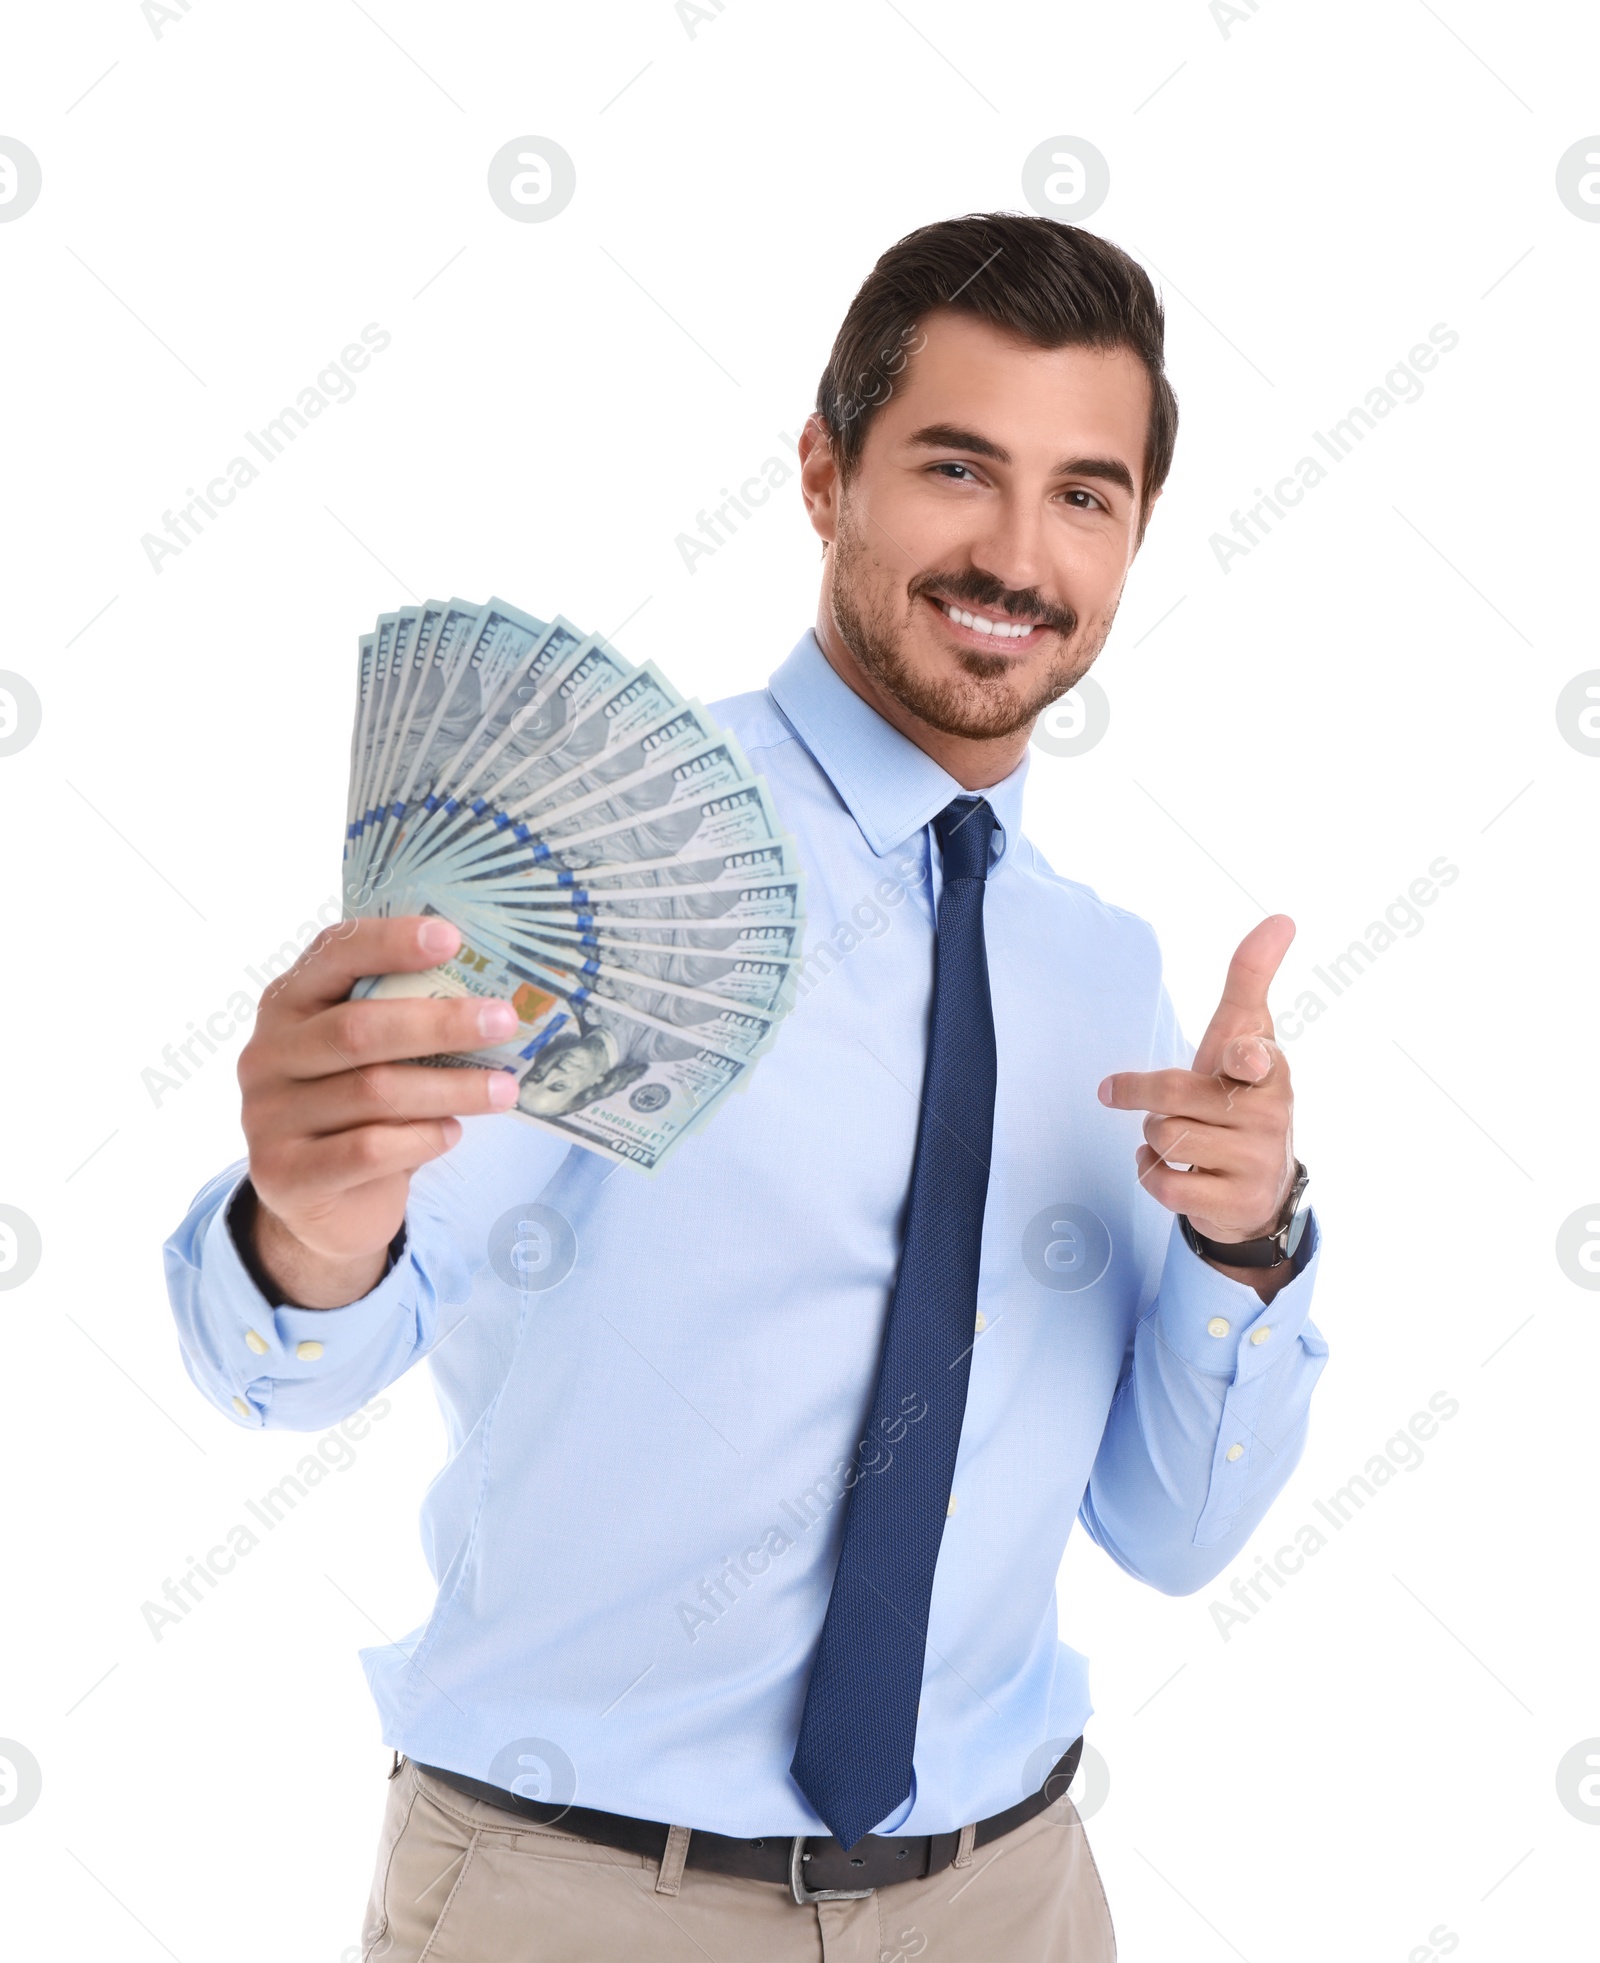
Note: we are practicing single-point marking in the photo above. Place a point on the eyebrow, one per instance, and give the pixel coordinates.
(948, 436)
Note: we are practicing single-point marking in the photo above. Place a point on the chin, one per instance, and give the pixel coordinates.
(956, 704)
(976, 696)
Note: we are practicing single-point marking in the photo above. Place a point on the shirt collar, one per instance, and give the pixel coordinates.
(891, 787)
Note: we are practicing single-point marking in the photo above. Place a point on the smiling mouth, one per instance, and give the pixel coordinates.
(998, 632)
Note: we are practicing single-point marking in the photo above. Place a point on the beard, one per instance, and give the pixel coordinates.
(987, 698)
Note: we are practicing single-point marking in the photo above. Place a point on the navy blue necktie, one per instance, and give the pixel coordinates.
(859, 1726)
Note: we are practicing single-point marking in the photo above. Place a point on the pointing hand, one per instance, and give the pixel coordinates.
(1227, 1121)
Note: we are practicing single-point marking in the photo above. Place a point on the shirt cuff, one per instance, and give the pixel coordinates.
(1222, 1331)
(263, 1344)
(1221, 1327)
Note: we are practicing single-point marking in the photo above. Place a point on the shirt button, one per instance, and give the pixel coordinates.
(308, 1352)
(950, 1509)
(241, 1407)
(1260, 1335)
(1235, 1452)
(1218, 1326)
(980, 1324)
(255, 1342)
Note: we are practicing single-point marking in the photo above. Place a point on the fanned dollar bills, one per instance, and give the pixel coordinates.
(615, 867)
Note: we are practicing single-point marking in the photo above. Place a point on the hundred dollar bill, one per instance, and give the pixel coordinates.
(414, 649)
(632, 754)
(598, 1074)
(462, 682)
(624, 763)
(525, 769)
(628, 1093)
(673, 988)
(389, 719)
(368, 786)
(477, 657)
(378, 674)
(661, 802)
(766, 940)
(760, 862)
(429, 702)
(488, 965)
(515, 655)
(488, 665)
(650, 912)
(566, 693)
(740, 818)
(390, 658)
(368, 645)
(383, 650)
(590, 713)
(649, 975)
(372, 801)
(532, 694)
(772, 859)
(560, 697)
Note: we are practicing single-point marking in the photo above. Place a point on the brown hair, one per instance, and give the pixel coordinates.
(1052, 284)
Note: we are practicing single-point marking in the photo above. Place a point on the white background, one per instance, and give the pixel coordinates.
(1373, 1756)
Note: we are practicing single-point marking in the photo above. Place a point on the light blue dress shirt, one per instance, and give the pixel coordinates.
(635, 1532)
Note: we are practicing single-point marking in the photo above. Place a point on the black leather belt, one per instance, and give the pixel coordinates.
(814, 1868)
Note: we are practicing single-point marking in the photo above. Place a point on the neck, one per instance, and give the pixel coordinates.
(977, 763)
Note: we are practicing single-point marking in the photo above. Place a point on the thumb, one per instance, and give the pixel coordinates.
(1243, 1009)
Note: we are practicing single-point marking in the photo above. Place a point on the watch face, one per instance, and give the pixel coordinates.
(1302, 1179)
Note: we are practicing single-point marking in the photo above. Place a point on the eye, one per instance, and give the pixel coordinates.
(1091, 502)
(971, 475)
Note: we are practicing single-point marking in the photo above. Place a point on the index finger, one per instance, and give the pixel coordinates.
(341, 955)
(1173, 1093)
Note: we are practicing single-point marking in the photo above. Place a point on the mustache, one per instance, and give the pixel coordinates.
(975, 589)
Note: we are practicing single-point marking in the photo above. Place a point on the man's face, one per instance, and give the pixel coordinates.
(998, 483)
(569, 1073)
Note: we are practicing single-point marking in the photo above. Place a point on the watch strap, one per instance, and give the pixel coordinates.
(1267, 1250)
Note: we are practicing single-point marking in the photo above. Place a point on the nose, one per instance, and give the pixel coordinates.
(1011, 547)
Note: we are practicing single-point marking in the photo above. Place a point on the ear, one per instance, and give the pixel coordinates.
(819, 478)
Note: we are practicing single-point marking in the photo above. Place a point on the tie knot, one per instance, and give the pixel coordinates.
(965, 827)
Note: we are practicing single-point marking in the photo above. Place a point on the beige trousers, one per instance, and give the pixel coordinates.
(459, 1881)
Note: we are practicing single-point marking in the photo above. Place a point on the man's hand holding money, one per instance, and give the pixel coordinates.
(336, 1119)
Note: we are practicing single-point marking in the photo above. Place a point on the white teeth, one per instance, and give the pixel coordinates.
(1007, 630)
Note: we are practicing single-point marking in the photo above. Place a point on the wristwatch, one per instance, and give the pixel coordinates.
(1270, 1250)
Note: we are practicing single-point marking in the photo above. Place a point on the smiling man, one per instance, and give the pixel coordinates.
(746, 1634)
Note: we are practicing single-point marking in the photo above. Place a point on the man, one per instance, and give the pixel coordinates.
(745, 1641)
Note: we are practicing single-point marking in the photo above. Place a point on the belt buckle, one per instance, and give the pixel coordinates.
(803, 1895)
